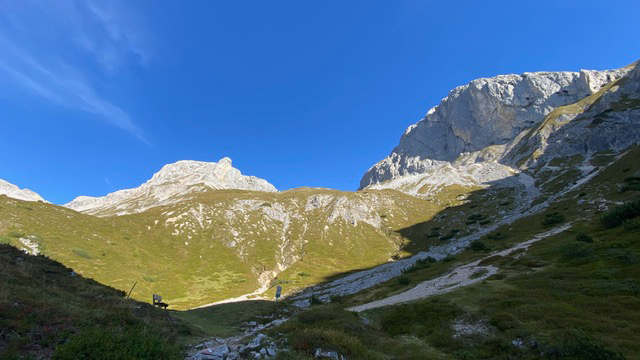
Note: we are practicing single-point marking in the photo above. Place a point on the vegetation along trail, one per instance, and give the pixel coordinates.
(461, 276)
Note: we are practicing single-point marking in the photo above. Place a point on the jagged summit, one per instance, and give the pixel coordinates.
(12, 191)
(169, 185)
(470, 135)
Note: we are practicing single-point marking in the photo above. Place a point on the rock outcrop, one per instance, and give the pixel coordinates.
(170, 185)
(15, 192)
(470, 136)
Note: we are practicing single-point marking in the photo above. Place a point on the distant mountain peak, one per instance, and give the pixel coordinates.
(13, 191)
(170, 185)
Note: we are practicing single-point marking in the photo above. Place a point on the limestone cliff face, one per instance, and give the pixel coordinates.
(169, 185)
(15, 192)
(472, 133)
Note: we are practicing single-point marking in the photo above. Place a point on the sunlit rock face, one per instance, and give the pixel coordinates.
(469, 134)
(12, 191)
(169, 185)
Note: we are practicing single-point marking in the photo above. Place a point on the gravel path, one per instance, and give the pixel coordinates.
(461, 276)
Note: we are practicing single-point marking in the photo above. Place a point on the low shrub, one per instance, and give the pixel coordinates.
(584, 238)
(309, 339)
(404, 280)
(82, 253)
(324, 315)
(618, 215)
(478, 245)
(631, 225)
(419, 264)
(128, 343)
(553, 219)
(478, 273)
(475, 217)
(424, 318)
(580, 345)
(446, 237)
(575, 250)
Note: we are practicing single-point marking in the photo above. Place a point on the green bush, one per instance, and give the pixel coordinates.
(575, 250)
(580, 345)
(404, 281)
(503, 321)
(425, 318)
(129, 343)
(446, 237)
(82, 253)
(324, 315)
(553, 219)
(631, 225)
(309, 339)
(478, 245)
(476, 217)
(419, 264)
(479, 273)
(618, 215)
(584, 238)
(496, 236)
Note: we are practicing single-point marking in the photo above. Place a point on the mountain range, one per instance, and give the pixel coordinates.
(201, 232)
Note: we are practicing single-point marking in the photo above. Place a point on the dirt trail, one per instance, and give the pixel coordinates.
(464, 275)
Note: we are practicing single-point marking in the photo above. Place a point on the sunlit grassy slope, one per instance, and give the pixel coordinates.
(217, 244)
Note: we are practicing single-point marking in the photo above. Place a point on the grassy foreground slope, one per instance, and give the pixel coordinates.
(575, 295)
(47, 310)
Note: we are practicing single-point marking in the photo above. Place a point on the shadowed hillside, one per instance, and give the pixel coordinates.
(45, 306)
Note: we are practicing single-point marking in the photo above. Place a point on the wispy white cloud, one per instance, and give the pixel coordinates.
(62, 51)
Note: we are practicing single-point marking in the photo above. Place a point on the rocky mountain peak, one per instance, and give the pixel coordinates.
(171, 184)
(13, 191)
(478, 123)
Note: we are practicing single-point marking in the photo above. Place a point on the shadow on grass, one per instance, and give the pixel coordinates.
(226, 320)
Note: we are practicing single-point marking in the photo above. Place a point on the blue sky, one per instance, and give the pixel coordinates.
(96, 96)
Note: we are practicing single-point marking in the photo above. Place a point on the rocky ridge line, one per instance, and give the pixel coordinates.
(169, 186)
(13, 191)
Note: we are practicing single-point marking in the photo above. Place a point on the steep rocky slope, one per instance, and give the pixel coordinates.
(168, 186)
(494, 128)
(15, 192)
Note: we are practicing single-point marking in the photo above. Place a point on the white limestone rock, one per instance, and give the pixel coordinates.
(12, 191)
(479, 122)
(170, 185)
